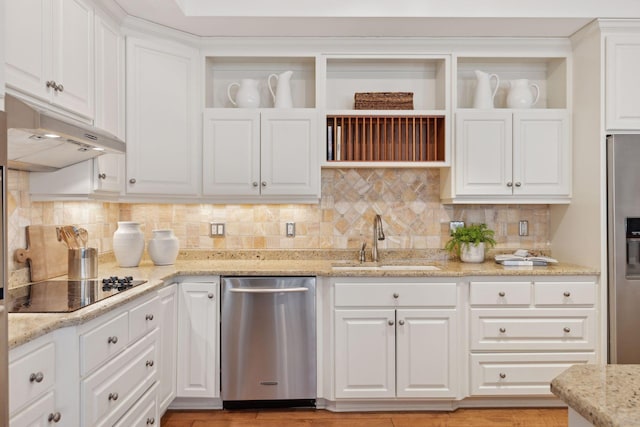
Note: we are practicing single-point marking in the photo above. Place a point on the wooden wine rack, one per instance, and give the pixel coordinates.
(385, 138)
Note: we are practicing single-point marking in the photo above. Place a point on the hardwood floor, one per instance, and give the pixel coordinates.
(551, 417)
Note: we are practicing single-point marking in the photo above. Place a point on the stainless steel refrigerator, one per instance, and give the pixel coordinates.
(623, 193)
(4, 363)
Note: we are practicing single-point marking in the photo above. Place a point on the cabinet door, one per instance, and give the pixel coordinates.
(621, 77)
(365, 353)
(541, 153)
(231, 152)
(109, 60)
(163, 151)
(198, 361)
(28, 46)
(73, 56)
(37, 414)
(483, 153)
(427, 357)
(108, 173)
(168, 345)
(289, 153)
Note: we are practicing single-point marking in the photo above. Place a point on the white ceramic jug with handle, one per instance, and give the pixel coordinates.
(484, 95)
(247, 96)
(282, 96)
(520, 94)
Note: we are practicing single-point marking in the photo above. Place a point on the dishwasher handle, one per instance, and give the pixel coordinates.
(267, 290)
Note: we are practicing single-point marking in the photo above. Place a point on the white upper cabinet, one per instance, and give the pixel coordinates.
(621, 82)
(163, 141)
(49, 52)
(109, 57)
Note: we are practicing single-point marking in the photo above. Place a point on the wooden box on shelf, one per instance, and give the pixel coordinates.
(383, 101)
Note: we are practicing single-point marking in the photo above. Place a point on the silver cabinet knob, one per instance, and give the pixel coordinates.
(396, 295)
(264, 183)
(254, 183)
(501, 293)
(148, 317)
(518, 184)
(390, 322)
(60, 88)
(132, 181)
(37, 377)
(55, 417)
(503, 375)
(210, 295)
(567, 329)
(502, 330)
(112, 340)
(151, 421)
(401, 322)
(52, 84)
(567, 294)
(509, 184)
(113, 396)
(149, 363)
(102, 176)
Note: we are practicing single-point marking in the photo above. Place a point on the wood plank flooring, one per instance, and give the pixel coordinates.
(551, 417)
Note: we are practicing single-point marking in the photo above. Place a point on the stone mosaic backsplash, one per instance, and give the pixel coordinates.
(407, 199)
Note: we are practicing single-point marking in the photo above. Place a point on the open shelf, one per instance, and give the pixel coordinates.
(358, 138)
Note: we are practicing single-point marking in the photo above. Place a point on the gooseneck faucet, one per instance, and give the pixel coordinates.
(378, 234)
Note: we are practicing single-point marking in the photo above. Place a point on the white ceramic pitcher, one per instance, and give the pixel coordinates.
(247, 96)
(484, 95)
(520, 94)
(282, 96)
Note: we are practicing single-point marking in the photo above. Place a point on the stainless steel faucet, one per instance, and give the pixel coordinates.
(378, 234)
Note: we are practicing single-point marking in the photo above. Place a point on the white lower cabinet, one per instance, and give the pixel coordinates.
(42, 412)
(524, 333)
(198, 325)
(144, 413)
(168, 345)
(406, 349)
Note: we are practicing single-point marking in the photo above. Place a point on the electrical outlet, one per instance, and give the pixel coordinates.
(217, 229)
(291, 229)
(523, 228)
(455, 224)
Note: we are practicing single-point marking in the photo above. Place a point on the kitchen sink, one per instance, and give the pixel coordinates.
(384, 267)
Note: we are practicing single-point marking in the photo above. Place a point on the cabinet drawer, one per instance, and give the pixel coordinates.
(31, 376)
(112, 390)
(565, 293)
(497, 293)
(36, 414)
(520, 373)
(532, 329)
(144, 318)
(103, 342)
(396, 294)
(144, 413)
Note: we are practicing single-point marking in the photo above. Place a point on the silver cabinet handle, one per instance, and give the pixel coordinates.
(254, 183)
(396, 295)
(501, 293)
(263, 290)
(37, 377)
(102, 176)
(210, 295)
(55, 417)
(264, 183)
(151, 421)
(401, 322)
(132, 181)
(567, 329)
(518, 184)
(112, 340)
(503, 375)
(390, 322)
(567, 294)
(502, 330)
(149, 363)
(148, 317)
(509, 184)
(113, 396)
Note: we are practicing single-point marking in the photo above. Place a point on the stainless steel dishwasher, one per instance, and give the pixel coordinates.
(268, 342)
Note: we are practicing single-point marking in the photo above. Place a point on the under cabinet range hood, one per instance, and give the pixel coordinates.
(41, 141)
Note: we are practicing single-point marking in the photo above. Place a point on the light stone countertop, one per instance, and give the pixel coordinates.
(605, 395)
(24, 327)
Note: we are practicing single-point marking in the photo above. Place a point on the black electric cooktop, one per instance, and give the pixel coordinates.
(64, 296)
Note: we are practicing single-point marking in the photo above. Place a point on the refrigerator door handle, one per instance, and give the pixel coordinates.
(266, 290)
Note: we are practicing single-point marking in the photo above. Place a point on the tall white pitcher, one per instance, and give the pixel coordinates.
(484, 95)
(282, 96)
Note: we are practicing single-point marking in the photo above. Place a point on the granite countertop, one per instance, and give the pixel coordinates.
(605, 395)
(24, 327)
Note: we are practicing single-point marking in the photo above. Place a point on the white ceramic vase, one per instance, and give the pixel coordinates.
(472, 253)
(163, 247)
(128, 244)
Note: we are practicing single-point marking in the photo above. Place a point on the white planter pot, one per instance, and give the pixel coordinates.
(128, 244)
(163, 247)
(472, 253)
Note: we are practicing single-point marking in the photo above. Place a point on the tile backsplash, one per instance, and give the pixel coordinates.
(407, 199)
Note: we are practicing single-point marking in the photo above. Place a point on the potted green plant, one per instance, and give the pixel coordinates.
(469, 242)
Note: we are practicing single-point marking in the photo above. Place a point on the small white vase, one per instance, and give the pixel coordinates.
(128, 243)
(163, 247)
(472, 253)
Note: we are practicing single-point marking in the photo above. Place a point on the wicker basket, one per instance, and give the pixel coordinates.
(383, 101)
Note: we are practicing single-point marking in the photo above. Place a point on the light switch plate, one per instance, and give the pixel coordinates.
(217, 229)
(291, 229)
(455, 224)
(523, 228)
